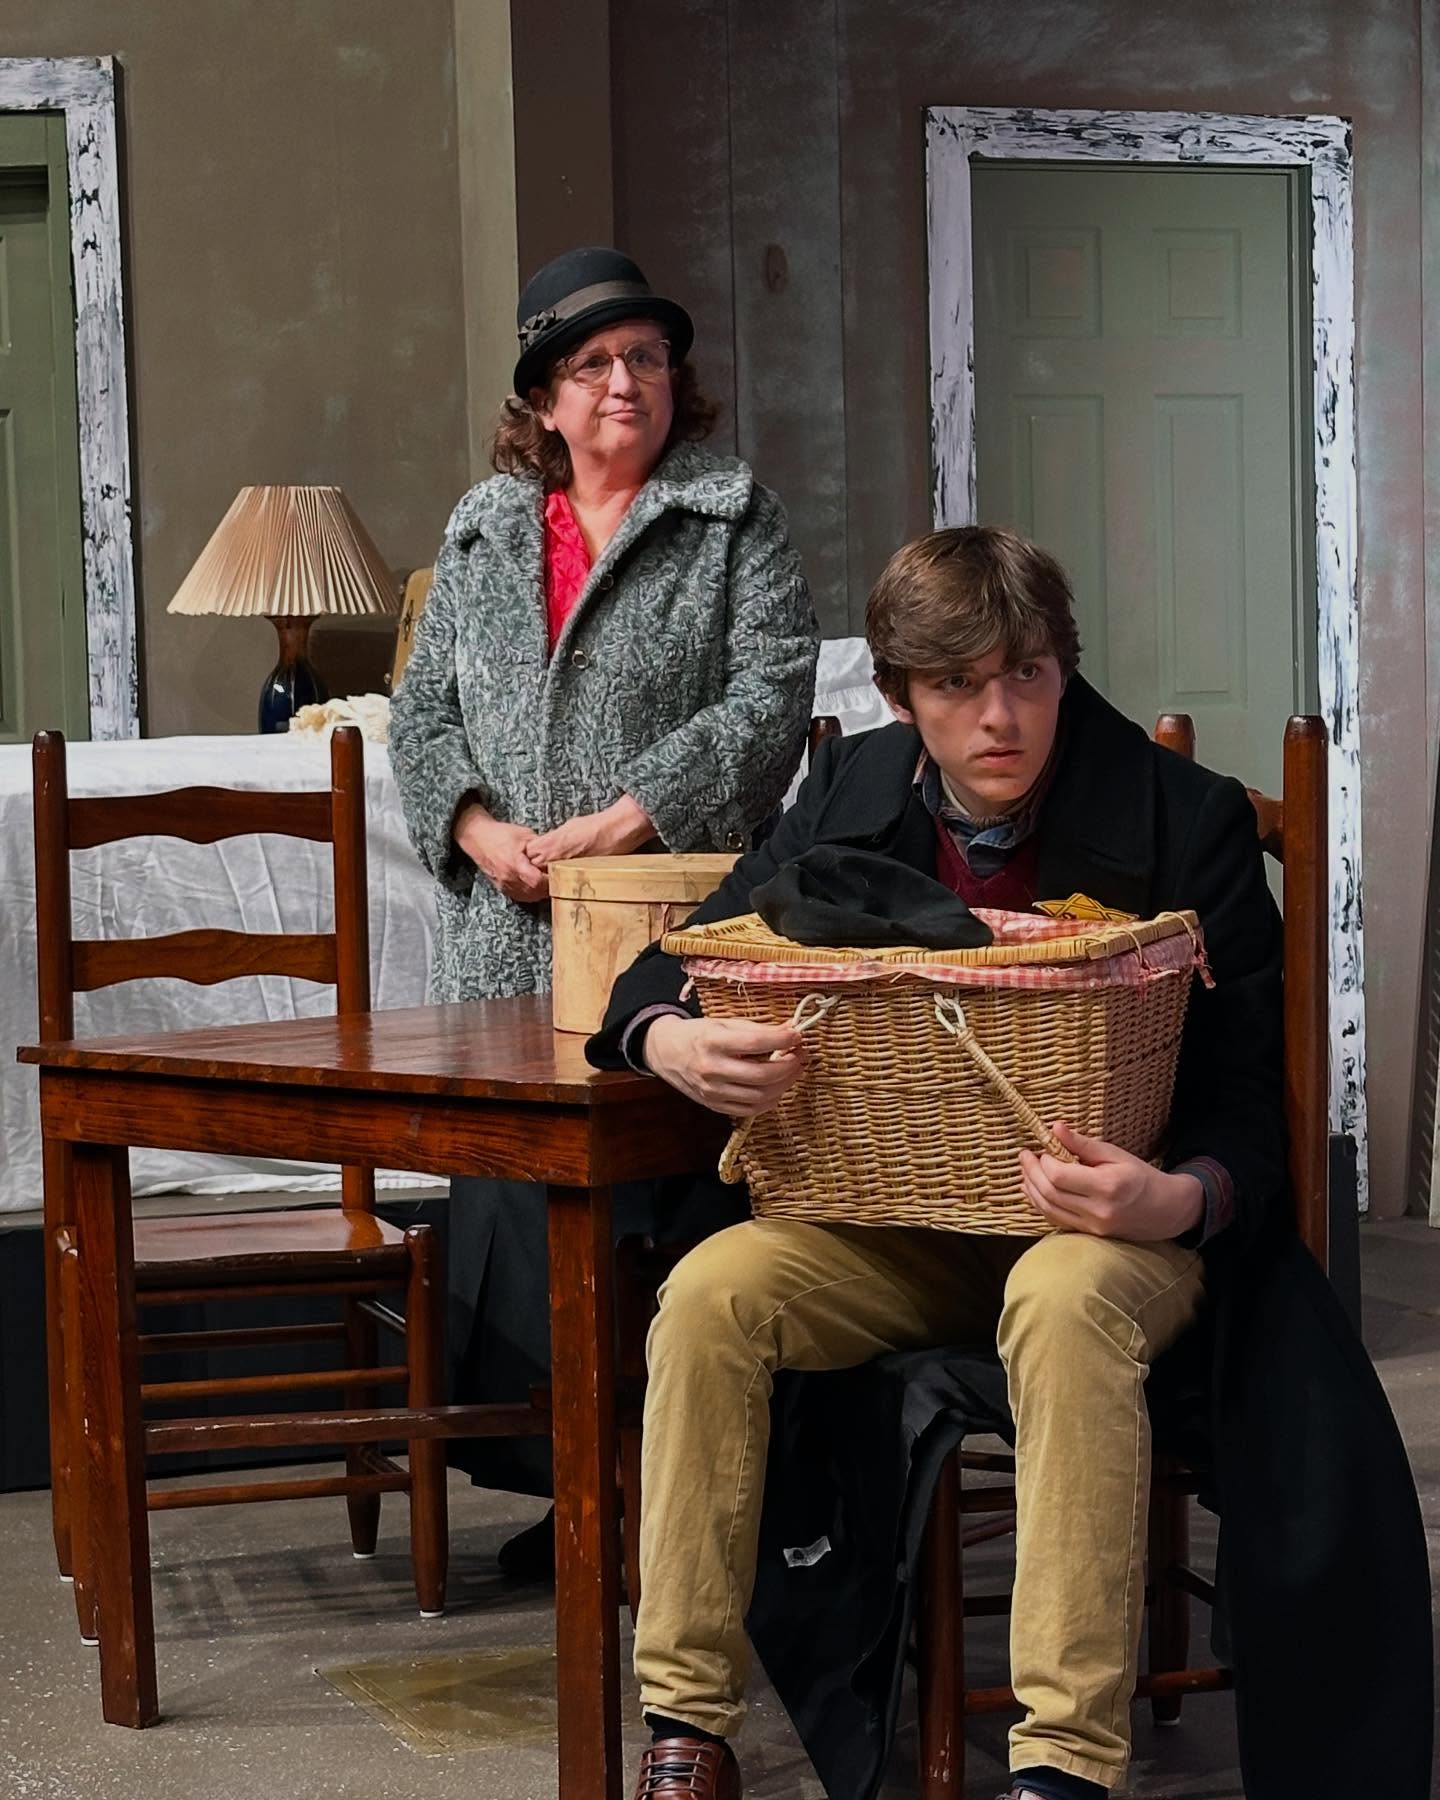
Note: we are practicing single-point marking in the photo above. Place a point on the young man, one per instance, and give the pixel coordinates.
(1009, 779)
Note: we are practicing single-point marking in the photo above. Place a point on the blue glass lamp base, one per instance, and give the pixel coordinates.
(293, 682)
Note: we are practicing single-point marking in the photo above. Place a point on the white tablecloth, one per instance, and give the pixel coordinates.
(146, 887)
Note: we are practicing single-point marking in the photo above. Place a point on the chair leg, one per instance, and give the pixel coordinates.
(429, 1501)
(630, 1515)
(634, 1309)
(79, 1516)
(1169, 1545)
(62, 1447)
(363, 1352)
(940, 1644)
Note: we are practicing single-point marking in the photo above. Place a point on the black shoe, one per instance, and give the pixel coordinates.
(529, 1556)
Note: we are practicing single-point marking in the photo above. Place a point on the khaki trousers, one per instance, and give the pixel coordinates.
(1077, 1320)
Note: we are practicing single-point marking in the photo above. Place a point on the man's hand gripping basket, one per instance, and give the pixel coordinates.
(929, 1070)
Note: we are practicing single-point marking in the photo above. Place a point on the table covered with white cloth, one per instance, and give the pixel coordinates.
(146, 887)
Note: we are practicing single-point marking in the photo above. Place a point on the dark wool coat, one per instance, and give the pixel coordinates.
(1323, 1562)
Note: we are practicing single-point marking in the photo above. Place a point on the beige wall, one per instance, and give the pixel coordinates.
(293, 266)
(769, 167)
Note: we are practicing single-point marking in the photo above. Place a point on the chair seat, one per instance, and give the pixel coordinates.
(220, 1249)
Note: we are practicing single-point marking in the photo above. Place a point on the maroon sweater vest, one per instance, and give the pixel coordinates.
(1011, 889)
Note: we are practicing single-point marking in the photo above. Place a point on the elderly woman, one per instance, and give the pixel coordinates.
(618, 652)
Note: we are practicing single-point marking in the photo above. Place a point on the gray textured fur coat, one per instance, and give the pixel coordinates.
(684, 677)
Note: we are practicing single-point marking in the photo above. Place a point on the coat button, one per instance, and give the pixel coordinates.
(734, 841)
(579, 660)
(605, 583)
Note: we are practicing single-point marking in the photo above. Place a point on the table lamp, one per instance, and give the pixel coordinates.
(289, 554)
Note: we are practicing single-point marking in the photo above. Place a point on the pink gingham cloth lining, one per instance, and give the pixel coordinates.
(1130, 968)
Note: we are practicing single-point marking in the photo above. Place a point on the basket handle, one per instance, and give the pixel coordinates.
(808, 1014)
(951, 1017)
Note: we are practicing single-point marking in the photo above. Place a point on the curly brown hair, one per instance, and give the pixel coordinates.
(522, 445)
(951, 597)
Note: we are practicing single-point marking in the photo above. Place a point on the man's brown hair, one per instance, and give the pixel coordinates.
(950, 598)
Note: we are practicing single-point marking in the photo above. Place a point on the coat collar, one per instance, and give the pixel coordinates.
(509, 514)
(508, 510)
(1096, 826)
(875, 804)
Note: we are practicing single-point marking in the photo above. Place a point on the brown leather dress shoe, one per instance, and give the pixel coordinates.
(688, 1769)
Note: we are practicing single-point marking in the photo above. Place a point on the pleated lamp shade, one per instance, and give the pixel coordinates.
(292, 555)
(289, 552)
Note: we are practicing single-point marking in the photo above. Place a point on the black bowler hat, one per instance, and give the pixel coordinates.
(581, 292)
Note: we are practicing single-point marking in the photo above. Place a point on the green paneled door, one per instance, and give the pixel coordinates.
(43, 679)
(1141, 411)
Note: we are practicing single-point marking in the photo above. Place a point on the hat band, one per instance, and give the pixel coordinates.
(580, 301)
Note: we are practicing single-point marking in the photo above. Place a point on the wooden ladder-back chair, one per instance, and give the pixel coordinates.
(345, 1251)
(1294, 831)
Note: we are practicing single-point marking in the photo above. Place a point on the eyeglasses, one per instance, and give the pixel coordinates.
(646, 361)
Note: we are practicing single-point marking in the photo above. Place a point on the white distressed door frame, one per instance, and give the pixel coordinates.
(1321, 145)
(83, 89)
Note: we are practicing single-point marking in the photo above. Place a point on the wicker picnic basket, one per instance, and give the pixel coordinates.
(929, 1070)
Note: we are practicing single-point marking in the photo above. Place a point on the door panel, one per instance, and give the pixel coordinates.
(42, 627)
(1200, 550)
(1059, 489)
(1138, 406)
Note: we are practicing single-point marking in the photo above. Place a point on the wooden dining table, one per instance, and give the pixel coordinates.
(485, 1088)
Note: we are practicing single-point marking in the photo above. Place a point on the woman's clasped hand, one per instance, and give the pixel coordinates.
(499, 851)
(516, 860)
(616, 831)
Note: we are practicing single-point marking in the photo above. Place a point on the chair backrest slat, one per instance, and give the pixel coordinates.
(1295, 831)
(204, 957)
(200, 815)
(1270, 823)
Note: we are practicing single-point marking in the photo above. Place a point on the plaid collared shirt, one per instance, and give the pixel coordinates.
(986, 844)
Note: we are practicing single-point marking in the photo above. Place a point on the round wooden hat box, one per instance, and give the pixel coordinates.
(606, 909)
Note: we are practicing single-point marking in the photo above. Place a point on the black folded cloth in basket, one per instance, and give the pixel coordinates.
(844, 898)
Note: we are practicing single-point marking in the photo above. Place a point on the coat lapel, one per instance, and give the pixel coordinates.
(682, 482)
(509, 513)
(1097, 824)
(875, 805)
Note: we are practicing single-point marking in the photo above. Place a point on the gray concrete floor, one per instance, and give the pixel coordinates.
(252, 1602)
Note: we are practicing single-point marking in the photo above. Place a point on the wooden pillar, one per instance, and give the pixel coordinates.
(564, 164)
(485, 141)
